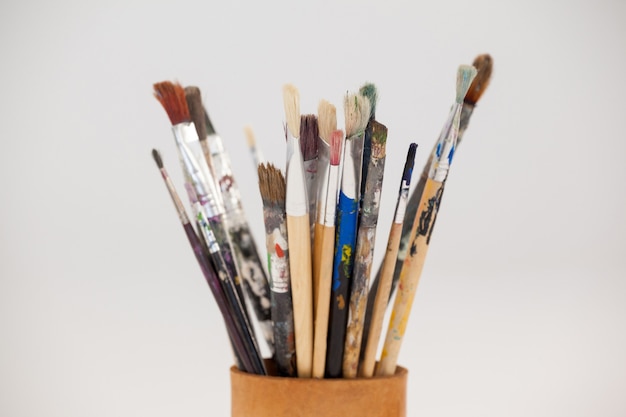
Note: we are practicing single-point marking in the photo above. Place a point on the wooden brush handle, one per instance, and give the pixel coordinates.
(323, 274)
(410, 275)
(381, 301)
(298, 235)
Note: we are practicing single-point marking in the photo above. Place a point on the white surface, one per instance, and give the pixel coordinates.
(103, 311)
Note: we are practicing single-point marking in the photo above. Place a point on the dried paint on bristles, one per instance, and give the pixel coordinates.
(309, 133)
(336, 139)
(357, 114)
(271, 184)
(484, 66)
(409, 164)
(369, 90)
(156, 155)
(250, 136)
(291, 101)
(196, 110)
(379, 139)
(172, 98)
(464, 77)
(326, 119)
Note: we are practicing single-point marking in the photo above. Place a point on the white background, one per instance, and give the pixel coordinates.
(522, 306)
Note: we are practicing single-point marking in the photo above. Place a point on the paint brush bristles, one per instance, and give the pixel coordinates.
(323, 252)
(299, 239)
(255, 151)
(272, 187)
(422, 229)
(326, 119)
(172, 98)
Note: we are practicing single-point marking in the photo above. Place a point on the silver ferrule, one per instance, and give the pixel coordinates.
(323, 159)
(231, 196)
(331, 196)
(445, 148)
(296, 203)
(403, 199)
(357, 158)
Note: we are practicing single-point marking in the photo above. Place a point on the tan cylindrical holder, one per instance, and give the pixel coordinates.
(271, 396)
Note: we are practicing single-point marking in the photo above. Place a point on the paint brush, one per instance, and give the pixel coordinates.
(196, 111)
(423, 227)
(381, 298)
(324, 247)
(195, 169)
(255, 151)
(357, 112)
(299, 239)
(272, 187)
(206, 268)
(235, 303)
(484, 66)
(364, 253)
(250, 266)
(368, 90)
(309, 136)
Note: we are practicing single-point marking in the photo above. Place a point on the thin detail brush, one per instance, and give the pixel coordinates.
(381, 298)
(357, 110)
(272, 187)
(205, 266)
(423, 227)
(323, 252)
(255, 151)
(366, 239)
(299, 232)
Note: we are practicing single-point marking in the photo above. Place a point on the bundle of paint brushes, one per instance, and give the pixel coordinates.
(315, 306)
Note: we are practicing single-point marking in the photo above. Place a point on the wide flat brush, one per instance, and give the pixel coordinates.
(324, 249)
(357, 111)
(423, 227)
(206, 268)
(381, 298)
(299, 232)
(272, 187)
(364, 253)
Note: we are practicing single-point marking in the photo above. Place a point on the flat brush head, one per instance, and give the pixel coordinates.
(336, 138)
(484, 66)
(309, 133)
(271, 184)
(196, 110)
(369, 90)
(172, 98)
(291, 100)
(357, 113)
(464, 77)
(379, 139)
(157, 158)
(326, 119)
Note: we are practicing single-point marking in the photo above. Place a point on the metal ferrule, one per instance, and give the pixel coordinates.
(445, 148)
(466, 114)
(323, 159)
(331, 196)
(225, 180)
(205, 229)
(296, 203)
(357, 157)
(403, 199)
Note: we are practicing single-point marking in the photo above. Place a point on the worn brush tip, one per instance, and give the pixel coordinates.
(157, 158)
(379, 139)
(336, 139)
(291, 101)
(326, 119)
(484, 65)
(271, 184)
(309, 133)
(196, 110)
(370, 91)
(172, 98)
(250, 136)
(465, 76)
(357, 113)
